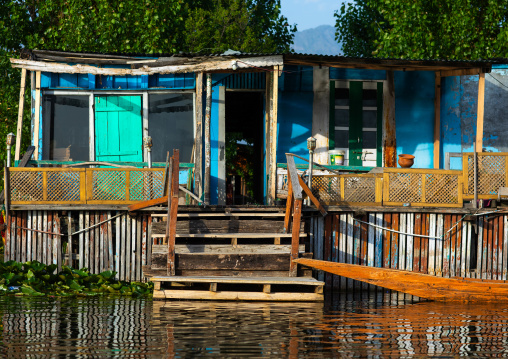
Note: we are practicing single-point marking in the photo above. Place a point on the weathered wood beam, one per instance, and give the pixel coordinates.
(173, 213)
(198, 139)
(464, 72)
(205, 66)
(437, 120)
(20, 114)
(389, 139)
(273, 134)
(208, 149)
(479, 113)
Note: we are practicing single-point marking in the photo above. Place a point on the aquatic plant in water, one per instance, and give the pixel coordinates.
(38, 279)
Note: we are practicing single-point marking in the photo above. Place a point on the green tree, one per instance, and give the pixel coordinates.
(418, 29)
(130, 26)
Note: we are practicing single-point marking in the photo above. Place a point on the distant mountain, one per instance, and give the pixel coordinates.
(319, 41)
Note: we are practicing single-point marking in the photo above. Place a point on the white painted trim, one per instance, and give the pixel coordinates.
(91, 125)
(144, 100)
(221, 195)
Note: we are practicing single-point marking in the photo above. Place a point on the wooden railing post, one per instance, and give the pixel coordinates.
(172, 211)
(297, 195)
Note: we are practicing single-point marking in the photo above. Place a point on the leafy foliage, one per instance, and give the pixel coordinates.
(37, 279)
(418, 29)
(129, 26)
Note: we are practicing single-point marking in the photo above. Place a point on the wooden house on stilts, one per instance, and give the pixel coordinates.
(236, 127)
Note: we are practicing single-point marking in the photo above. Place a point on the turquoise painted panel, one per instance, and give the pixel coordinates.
(118, 128)
(355, 74)
(172, 81)
(214, 142)
(414, 116)
(294, 124)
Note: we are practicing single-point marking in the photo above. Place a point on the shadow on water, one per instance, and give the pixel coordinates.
(343, 326)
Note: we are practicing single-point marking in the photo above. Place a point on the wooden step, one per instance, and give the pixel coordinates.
(234, 288)
(223, 226)
(227, 248)
(223, 215)
(232, 235)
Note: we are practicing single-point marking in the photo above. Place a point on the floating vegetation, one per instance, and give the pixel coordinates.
(38, 279)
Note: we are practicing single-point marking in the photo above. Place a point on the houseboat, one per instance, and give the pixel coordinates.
(238, 127)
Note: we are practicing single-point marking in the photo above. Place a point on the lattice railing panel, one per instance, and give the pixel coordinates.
(145, 185)
(404, 187)
(360, 189)
(64, 186)
(326, 189)
(26, 186)
(491, 174)
(419, 187)
(441, 188)
(108, 186)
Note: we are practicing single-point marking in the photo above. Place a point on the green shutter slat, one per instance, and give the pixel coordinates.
(355, 123)
(331, 138)
(379, 154)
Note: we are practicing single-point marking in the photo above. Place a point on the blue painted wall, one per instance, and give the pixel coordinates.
(414, 115)
(294, 114)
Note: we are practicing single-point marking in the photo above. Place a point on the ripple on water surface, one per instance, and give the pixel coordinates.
(142, 328)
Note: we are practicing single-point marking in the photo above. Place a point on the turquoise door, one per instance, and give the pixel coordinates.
(118, 128)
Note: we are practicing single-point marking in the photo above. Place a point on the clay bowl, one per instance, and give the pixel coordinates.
(406, 161)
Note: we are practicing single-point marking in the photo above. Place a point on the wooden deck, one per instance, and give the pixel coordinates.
(238, 288)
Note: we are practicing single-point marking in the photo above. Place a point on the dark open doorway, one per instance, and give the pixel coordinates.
(244, 147)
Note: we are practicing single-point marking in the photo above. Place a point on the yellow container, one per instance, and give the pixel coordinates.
(336, 157)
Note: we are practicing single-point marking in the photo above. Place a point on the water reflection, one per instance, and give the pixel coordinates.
(344, 326)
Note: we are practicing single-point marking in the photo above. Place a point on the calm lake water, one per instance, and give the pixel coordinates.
(343, 326)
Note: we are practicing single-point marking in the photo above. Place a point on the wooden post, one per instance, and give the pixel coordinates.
(437, 119)
(479, 113)
(173, 213)
(35, 136)
(273, 136)
(289, 206)
(20, 114)
(171, 251)
(295, 238)
(208, 150)
(198, 140)
(389, 139)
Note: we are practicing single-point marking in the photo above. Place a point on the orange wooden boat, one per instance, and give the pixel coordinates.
(456, 289)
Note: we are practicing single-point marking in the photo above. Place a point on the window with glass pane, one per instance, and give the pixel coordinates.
(341, 97)
(342, 118)
(65, 127)
(171, 125)
(369, 98)
(369, 139)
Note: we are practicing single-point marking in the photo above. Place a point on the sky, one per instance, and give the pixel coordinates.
(307, 14)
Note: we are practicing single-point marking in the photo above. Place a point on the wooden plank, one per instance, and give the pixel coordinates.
(228, 249)
(297, 189)
(394, 250)
(149, 203)
(172, 218)
(118, 239)
(198, 138)
(57, 240)
(218, 226)
(123, 246)
(421, 285)
(35, 245)
(437, 119)
(490, 234)
(495, 247)
(387, 223)
(8, 237)
(19, 239)
(240, 280)
(37, 115)
(144, 237)
(439, 245)
(111, 259)
(202, 66)
(402, 241)
(234, 262)
(251, 296)
(133, 240)
(295, 238)
(29, 236)
(102, 239)
(389, 138)
(139, 235)
(432, 244)
(45, 246)
(70, 251)
(409, 241)
(97, 251)
(480, 112)
(417, 243)
(452, 244)
(93, 239)
(328, 243)
(128, 242)
(21, 108)
(335, 247)
(505, 248)
(87, 242)
(149, 242)
(273, 133)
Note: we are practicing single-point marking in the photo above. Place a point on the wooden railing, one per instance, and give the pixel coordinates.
(44, 185)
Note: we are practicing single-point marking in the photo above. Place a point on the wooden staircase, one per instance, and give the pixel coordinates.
(229, 253)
